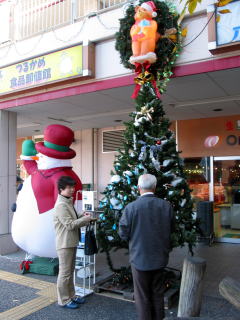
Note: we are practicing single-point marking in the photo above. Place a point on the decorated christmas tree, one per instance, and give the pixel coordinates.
(149, 144)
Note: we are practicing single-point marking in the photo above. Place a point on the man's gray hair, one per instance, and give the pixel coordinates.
(147, 182)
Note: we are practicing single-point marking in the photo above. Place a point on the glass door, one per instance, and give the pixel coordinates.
(197, 172)
(225, 193)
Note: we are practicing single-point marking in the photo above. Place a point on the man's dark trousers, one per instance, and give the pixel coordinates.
(148, 293)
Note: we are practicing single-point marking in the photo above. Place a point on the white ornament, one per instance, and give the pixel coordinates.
(128, 173)
(143, 154)
(164, 141)
(116, 204)
(134, 141)
(183, 202)
(175, 182)
(156, 164)
(169, 173)
(115, 179)
(167, 162)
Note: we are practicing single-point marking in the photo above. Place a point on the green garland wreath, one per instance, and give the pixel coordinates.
(167, 50)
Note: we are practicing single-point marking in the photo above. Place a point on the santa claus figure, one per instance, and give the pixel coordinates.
(45, 162)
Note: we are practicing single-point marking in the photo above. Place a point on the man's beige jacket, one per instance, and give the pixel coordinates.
(66, 223)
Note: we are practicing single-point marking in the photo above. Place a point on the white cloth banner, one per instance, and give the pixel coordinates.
(4, 21)
(228, 28)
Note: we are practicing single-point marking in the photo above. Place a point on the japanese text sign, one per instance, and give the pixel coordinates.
(40, 70)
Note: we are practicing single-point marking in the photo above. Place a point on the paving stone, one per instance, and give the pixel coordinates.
(13, 295)
(221, 262)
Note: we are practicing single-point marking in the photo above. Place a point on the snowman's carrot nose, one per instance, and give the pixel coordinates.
(35, 158)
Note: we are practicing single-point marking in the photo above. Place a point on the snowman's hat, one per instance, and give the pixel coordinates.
(57, 140)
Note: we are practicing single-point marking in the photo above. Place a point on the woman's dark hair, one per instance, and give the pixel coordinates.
(65, 181)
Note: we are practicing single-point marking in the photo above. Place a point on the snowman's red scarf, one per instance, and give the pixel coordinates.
(48, 173)
(44, 184)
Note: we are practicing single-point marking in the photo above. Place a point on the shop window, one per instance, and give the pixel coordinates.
(198, 176)
(39, 138)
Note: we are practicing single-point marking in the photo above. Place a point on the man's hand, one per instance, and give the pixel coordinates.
(85, 213)
(89, 214)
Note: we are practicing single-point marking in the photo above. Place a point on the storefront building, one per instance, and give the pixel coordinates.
(212, 164)
(65, 69)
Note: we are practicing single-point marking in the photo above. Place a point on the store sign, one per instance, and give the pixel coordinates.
(233, 140)
(228, 28)
(60, 65)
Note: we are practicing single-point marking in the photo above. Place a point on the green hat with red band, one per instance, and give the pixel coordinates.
(57, 141)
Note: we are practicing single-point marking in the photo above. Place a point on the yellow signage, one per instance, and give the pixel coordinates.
(44, 69)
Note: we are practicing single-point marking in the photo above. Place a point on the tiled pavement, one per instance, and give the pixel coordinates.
(33, 297)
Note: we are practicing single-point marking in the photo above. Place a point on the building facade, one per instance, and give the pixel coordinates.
(58, 64)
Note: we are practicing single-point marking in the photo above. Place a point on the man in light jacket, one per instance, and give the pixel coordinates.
(67, 227)
(146, 223)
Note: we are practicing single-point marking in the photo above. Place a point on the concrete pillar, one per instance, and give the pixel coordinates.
(87, 156)
(8, 130)
(84, 162)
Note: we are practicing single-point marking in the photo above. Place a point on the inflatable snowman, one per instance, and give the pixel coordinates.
(32, 225)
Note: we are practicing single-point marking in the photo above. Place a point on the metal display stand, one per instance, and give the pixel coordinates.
(84, 268)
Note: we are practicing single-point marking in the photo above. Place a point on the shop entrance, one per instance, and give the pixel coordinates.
(217, 179)
(225, 192)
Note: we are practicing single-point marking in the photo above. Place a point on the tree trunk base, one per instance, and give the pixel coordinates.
(230, 290)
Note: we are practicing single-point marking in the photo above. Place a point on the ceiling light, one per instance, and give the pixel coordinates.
(207, 101)
(118, 120)
(218, 109)
(115, 113)
(28, 125)
(61, 120)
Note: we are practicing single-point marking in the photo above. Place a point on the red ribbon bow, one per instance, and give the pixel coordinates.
(24, 266)
(140, 67)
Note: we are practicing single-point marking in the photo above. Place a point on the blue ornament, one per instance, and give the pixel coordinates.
(128, 180)
(136, 171)
(114, 227)
(102, 203)
(125, 198)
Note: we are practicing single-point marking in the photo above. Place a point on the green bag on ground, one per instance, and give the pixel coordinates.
(39, 265)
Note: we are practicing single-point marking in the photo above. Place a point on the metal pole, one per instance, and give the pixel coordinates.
(211, 184)
(73, 11)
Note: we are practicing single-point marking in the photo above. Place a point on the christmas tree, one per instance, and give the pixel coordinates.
(149, 147)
